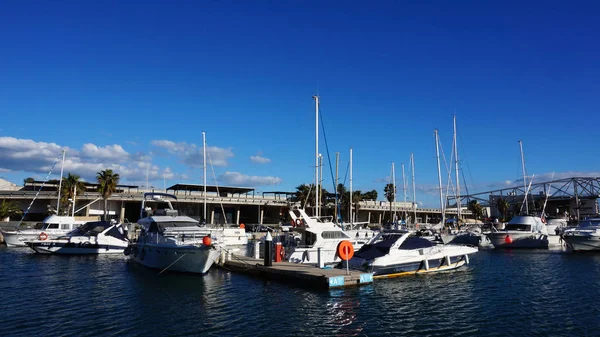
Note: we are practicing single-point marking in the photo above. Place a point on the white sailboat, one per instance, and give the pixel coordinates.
(522, 231)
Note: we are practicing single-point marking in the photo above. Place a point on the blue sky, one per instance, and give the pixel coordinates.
(131, 86)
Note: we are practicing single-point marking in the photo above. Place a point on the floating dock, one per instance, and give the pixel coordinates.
(326, 278)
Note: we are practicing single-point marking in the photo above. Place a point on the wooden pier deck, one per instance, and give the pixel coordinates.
(322, 278)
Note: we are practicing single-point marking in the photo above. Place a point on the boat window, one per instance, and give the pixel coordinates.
(153, 227)
(309, 238)
(52, 226)
(334, 235)
(39, 225)
(414, 242)
(90, 229)
(518, 227)
(65, 226)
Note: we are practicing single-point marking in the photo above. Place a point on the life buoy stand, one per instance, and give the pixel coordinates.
(43, 236)
(298, 223)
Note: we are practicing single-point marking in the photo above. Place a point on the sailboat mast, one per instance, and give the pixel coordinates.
(456, 167)
(62, 166)
(316, 154)
(524, 176)
(437, 154)
(320, 181)
(337, 162)
(204, 169)
(393, 192)
(412, 163)
(404, 189)
(74, 196)
(351, 218)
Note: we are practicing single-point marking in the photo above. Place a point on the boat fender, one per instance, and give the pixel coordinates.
(127, 251)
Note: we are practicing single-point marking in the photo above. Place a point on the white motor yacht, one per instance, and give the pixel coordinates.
(585, 237)
(522, 231)
(96, 237)
(319, 233)
(395, 253)
(52, 227)
(169, 241)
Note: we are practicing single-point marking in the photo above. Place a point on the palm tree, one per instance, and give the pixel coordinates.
(503, 207)
(301, 195)
(475, 208)
(9, 209)
(388, 192)
(108, 182)
(71, 183)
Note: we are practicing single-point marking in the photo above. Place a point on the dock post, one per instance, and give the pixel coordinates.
(257, 250)
(268, 262)
(319, 259)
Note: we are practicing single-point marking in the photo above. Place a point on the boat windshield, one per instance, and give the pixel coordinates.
(90, 229)
(590, 223)
(518, 227)
(49, 226)
(380, 248)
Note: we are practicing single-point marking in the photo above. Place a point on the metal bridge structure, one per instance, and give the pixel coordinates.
(572, 192)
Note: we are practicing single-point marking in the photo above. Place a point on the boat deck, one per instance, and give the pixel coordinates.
(307, 275)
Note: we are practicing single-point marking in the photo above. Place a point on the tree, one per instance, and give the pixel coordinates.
(302, 195)
(388, 192)
(9, 209)
(503, 207)
(371, 195)
(108, 182)
(69, 186)
(29, 180)
(476, 208)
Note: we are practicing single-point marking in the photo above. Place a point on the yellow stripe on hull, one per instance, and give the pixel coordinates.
(423, 271)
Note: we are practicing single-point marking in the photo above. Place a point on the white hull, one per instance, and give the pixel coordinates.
(19, 238)
(187, 259)
(518, 240)
(582, 242)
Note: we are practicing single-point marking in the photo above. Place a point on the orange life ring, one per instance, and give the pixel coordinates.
(345, 250)
(43, 236)
(298, 223)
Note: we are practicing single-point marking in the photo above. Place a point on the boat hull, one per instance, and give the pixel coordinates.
(401, 263)
(186, 259)
(518, 240)
(582, 242)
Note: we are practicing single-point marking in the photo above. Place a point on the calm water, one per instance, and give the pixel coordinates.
(502, 293)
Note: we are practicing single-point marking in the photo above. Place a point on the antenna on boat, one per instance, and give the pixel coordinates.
(62, 166)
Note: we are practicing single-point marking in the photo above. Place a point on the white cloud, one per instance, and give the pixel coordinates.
(259, 160)
(114, 152)
(192, 155)
(239, 179)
